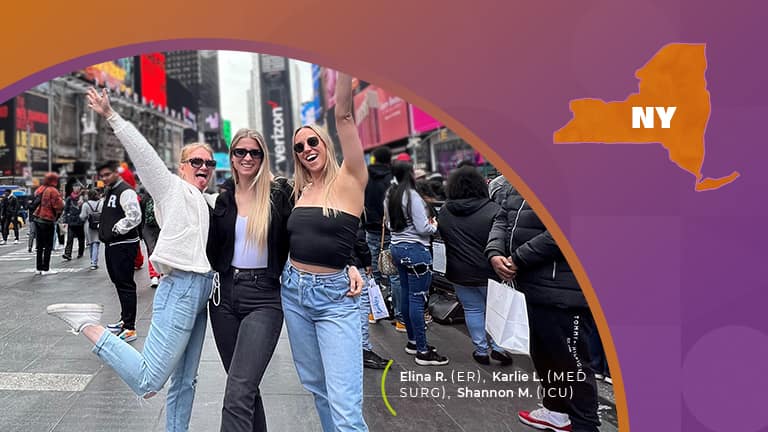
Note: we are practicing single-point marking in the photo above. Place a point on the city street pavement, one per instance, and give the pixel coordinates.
(50, 381)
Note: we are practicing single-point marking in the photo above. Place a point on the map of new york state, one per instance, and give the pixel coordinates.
(671, 108)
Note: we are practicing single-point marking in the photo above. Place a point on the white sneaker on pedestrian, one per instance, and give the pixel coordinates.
(77, 315)
(154, 282)
(48, 272)
(2, 242)
(15, 242)
(543, 418)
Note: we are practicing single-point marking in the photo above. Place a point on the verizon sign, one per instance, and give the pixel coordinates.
(276, 112)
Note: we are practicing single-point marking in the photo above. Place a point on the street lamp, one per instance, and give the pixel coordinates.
(89, 130)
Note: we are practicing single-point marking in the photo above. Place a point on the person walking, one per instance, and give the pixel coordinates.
(48, 207)
(10, 215)
(75, 227)
(174, 343)
(90, 214)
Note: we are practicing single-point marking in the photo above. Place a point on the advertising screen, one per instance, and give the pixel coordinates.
(152, 72)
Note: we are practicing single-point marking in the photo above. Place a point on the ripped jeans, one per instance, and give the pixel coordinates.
(172, 348)
(414, 263)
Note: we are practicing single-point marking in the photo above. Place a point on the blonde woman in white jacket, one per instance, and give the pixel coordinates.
(175, 339)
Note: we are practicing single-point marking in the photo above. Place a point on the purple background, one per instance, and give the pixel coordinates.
(678, 273)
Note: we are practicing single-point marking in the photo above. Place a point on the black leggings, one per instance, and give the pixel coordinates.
(44, 233)
(246, 325)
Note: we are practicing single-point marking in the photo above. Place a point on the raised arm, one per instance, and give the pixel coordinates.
(351, 146)
(154, 174)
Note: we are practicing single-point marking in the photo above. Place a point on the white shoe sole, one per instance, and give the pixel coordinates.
(74, 307)
(430, 362)
(541, 426)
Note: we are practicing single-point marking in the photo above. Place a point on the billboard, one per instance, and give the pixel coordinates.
(422, 122)
(381, 117)
(32, 111)
(115, 74)
(276, 112)
(152, 79)
(7, 138)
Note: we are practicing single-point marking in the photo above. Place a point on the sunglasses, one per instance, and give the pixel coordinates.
(241, 152)
(198, 162)
(312, 141)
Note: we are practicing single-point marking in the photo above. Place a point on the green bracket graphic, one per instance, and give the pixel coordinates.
(384, 391)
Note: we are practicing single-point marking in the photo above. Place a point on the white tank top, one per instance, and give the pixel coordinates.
(250, 257)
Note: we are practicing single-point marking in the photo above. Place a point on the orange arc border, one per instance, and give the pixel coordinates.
(487, 152)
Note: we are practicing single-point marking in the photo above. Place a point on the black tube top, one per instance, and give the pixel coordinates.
(319, 240)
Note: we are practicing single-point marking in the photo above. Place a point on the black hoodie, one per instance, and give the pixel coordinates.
(464, 225)
(379, 180)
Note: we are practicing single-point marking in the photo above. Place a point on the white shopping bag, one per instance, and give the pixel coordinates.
(506, 318)
(378, 307)
(439, 262)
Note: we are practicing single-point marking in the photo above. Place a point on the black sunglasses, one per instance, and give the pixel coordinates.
(241, 152)
(198, 162)
(312, 141)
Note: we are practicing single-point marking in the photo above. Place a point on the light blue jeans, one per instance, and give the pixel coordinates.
(173, 346)
(324, 332)
(365, 309)
(94, 248)
(473, 299)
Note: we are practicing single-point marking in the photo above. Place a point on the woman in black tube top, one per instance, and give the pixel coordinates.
(321, 310)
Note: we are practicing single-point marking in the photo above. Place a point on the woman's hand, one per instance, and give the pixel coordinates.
(355, 282)
(99, 103)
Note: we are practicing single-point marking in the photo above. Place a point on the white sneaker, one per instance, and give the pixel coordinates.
(543, 418)
(48, 272)
(2, 242)
(154, 282)
(15, 242)
(77, 315)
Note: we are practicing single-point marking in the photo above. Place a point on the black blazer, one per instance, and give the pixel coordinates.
(221, 236)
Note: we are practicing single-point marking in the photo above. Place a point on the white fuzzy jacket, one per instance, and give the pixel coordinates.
(181, 209)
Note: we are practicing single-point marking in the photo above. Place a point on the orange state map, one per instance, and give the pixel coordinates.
(674, 77)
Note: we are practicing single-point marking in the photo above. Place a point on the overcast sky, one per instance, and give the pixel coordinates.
(235, 79)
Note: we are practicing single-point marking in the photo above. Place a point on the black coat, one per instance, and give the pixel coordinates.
(464, 225)
(543, 274)
(379, 180)
(221, 236)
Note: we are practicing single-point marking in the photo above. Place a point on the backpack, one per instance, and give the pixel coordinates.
(36, 202)
(94, 217)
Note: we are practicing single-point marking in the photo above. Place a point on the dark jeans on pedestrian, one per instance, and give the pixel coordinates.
(44, 233)
(560, 344)
(75, 231)
(414, 263)
(7, 225)
(119, 258)
(246, 326)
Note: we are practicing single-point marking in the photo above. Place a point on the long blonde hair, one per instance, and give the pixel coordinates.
(259, 215)
(330, 170)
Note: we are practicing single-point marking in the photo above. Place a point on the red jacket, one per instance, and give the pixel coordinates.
(52, 204)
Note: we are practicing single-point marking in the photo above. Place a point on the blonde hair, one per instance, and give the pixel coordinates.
(330, 170)
(189, 148)
(259, 215)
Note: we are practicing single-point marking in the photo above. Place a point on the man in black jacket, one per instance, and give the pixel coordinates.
(10, 213)
(118, 230)
(379, 181)
(521, 250)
